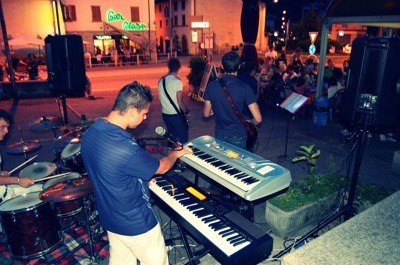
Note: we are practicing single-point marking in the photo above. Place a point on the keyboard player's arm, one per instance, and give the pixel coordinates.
(167, 162)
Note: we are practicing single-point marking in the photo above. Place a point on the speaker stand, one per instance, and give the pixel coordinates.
(64, 113)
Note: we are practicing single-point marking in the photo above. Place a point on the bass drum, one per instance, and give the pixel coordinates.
(31, 226)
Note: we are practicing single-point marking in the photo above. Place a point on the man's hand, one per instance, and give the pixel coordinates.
(25, 182)
(181, 151)
(4, 174)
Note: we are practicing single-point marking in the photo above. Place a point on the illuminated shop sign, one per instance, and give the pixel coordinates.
(103, 37)
(113, 16)
(129, 25)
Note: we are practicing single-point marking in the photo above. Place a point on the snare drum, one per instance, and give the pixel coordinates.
(38, 170)
(71, 157)
(31, 226)
(67, 208)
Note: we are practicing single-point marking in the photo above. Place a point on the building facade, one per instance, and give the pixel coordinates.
(175, 32)
(107, 26)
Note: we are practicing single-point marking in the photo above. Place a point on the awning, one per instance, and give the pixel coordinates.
(132, 36)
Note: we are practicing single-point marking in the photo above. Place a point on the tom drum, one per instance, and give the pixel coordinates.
(31, 226)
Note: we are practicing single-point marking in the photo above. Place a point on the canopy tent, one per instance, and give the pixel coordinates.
(25, 40)
(383, 13)
(136, 37)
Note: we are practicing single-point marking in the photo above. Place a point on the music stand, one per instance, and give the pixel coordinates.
(292, 104)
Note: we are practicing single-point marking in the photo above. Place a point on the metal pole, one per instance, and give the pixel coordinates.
(57, 17)
(7, 48)
(148, 9)
(170, 26)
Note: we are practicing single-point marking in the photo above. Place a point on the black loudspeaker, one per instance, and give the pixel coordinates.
(372, 94)
(66, 65)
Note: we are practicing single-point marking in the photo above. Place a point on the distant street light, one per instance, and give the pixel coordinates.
(266, 19)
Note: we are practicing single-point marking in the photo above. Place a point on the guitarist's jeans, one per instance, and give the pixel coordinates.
(176, 127)
(237, 141)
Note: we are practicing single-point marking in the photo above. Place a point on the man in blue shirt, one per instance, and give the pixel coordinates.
(120, 171)
(228, 126)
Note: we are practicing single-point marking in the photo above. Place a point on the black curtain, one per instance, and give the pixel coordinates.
(249, 28)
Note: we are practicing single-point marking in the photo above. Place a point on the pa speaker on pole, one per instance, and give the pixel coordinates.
(65, 65)
(372, 94)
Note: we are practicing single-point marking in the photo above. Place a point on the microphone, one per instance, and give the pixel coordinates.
(164, 133)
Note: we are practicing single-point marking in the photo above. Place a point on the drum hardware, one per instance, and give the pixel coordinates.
(71, 190)
(30, 226)
(38, 170)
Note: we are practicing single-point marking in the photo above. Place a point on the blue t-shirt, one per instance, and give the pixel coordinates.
(227, 124)
(119, 170)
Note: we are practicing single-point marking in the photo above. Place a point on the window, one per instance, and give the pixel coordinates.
(166, 22)
(135, 14)
(96, 14)
(166, 11)
(160, 24)
(159, 8)
(183, 20)
(175, 6)
(175, 21)
(183, 4)
(69, 13)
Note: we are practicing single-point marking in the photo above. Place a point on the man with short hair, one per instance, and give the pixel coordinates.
(170, 91)
(11, 186)
(228, 126)
(120, 172)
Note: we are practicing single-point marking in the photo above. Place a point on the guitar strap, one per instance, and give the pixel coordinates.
(233, 106)
(178, 111)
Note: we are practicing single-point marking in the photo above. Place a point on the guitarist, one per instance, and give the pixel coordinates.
(174, 109)
(228, 126)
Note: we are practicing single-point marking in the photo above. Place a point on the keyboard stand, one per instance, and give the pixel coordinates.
(193, 259)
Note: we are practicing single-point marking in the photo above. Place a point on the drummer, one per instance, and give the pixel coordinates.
(12, 186)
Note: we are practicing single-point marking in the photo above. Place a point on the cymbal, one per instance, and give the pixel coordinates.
(77, 126)
(45, 123)
(23, 147)
(67, 190)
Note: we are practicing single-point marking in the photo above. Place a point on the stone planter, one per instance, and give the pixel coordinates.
(289, 224)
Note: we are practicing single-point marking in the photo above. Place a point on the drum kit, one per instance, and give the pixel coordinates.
(34, 223)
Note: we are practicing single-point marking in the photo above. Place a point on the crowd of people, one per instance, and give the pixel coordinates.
(30, 72)
(280, 75)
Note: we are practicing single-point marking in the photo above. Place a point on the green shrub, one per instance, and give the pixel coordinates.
(307, 191)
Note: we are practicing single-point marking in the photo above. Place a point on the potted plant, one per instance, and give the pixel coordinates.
(310, 199)
(309, 155)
